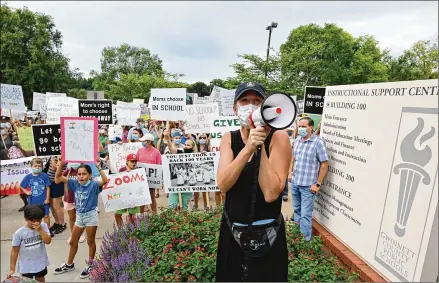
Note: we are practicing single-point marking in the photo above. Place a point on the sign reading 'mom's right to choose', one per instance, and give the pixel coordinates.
(380, 195)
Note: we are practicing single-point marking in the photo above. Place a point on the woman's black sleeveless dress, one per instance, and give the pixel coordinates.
(273, 266)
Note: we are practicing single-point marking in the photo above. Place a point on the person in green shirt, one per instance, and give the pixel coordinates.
(103, 140)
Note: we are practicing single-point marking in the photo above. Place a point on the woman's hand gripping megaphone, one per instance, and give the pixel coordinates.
(257, 135)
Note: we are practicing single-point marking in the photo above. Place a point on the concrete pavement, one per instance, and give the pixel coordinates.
(58, 250)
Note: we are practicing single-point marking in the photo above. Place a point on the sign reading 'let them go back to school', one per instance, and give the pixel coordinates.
(380, 195)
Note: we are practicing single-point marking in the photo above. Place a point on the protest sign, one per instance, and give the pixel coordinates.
(202, 99)
(60, 106)
(314, 99)
(221, 125)
(199, 117)
(167, 104)
(190, 172)
(127, 113)
(118, 154)
(154, 174)
(401, 160)
(215, 97)
(47, 139)
(227, 97)
(100, 109)
(79, 139)
(12, 97)
(126, 190)
(190, 98)
(138, 101)
(32, 114)
(300, 105)
(18, 114)
(12, 172)
(38, 101)
(25, 138)
(115, 131)
(95, 95)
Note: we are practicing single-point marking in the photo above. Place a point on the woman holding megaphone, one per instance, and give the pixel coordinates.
(252, 171)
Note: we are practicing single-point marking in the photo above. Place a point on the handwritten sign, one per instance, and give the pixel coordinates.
(215, 97)
(221, 125)
(126, 190)
(25, 138)
(58, 106)
(167, 104)
(127, 113)
(12, 97)
(47, 139)
(115, 131)
(38, 101)
(199, 117)
(118, 154)
(154, 174)
(202, 99)
(100, 109)
(227, 97)
(79, 141)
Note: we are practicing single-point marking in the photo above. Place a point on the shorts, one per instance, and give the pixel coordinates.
(57, 190)
(132, 210)
(69, 206)
(87, 219)
(42, 273)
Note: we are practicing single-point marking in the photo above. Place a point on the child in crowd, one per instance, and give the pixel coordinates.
(86, 201)
(36, 186)
(28, 245)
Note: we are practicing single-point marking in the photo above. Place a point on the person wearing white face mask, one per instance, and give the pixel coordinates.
(252, 198)
(309, 166)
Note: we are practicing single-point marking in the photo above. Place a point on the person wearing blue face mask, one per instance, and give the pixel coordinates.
(141, 130)
(310, 165)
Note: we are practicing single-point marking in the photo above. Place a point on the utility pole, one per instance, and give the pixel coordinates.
(270, 30)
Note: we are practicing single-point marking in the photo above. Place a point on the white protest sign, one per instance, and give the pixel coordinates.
(118, 154)
(221, 125)
(126, 190)
(199, 117)
(79, 139)
(202, 100)
(59, 106)
(227, 97)
(18, 114)
(190, 172)
(115, 131)
(380, 195)
(127, 113)
(167, 104)
(154, 174)
(12, 97)
(138, 101)
(39, 101)
(215, 97)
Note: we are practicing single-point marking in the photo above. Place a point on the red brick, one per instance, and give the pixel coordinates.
(376, 278)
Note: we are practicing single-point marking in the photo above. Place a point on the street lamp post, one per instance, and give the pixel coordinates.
(270, 29)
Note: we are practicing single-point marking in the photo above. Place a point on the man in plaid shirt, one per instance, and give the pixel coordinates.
(310, 163)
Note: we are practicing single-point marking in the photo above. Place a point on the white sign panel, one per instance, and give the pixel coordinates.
(126, 190)
(381, 192)
(118, 154)
(38, 101)
(190, 172)
(154, 174)
(219, 126)
(115, 131)
(79, 139)
(167, 104)
(59, 106)
(202, 100)
(215, 97)
(12, 97)
(127, 113)
(199, 117)
(227, 97)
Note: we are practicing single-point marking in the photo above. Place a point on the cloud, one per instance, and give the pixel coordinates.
(202, 39)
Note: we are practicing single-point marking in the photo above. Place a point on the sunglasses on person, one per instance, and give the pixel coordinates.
(203, 138)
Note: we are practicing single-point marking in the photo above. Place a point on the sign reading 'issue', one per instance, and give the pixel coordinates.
(314, 99)
(380, 195)
(47, 139)
(79, 139)
(167, 104)
(100, 109)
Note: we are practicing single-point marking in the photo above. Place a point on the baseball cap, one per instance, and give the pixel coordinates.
(147, 137)
(131, 157)
(116, 139)
(244, 87)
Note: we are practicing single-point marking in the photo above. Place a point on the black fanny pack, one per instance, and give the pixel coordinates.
(259, 240)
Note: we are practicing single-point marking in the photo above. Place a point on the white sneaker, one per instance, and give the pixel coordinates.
(82, 238)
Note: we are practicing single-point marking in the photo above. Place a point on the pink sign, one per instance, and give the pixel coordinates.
(79, 139)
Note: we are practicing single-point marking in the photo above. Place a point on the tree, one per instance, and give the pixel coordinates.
(31, 53)
(200, 88)
(218, 82)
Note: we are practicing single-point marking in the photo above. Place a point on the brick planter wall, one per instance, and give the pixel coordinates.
(348, 258)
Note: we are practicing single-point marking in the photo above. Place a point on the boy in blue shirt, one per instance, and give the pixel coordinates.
(36, 186)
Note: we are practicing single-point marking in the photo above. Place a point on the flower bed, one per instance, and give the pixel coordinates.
(181, 247)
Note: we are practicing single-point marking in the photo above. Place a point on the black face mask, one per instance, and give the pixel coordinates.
(188, 150)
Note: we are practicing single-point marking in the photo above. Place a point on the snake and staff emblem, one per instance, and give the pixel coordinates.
(411, 172)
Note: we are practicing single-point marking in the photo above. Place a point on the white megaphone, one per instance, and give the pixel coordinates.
(278, 111)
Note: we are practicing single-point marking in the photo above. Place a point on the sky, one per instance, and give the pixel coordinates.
(202, 39)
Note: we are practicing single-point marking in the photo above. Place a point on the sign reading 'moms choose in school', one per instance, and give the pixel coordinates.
(380, 196)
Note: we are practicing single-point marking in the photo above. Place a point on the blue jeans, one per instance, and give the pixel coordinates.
(303, 204)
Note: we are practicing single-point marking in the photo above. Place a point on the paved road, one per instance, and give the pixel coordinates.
(58, 250)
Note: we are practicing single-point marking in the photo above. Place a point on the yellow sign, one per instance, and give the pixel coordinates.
(25, 138)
